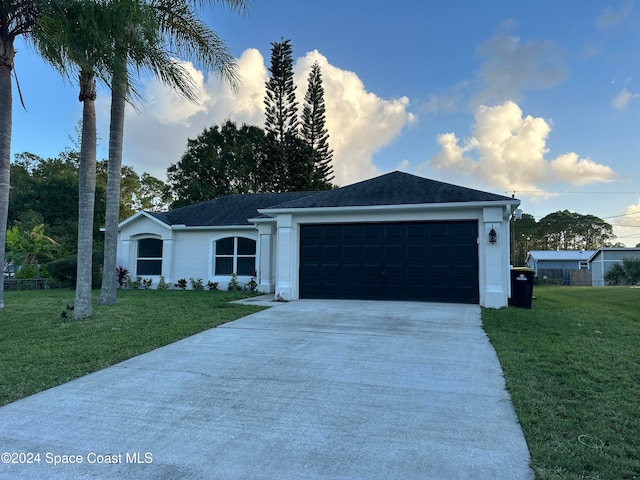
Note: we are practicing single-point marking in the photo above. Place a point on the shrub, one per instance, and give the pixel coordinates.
(212, 285)
(122, 274)
(616, 275)
(181, 284)
(233, 283)
(64, 270)
(626, 273)
(162, 284)
(133, 284)
(146, 283)
(196, 283)
(252, 285)
(632, 269)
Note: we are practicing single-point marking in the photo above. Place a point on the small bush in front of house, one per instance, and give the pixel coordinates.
(133, 284)
(212, 285)
(146, 283)
(233, 283)
(196, 283)
(181, 284)
(252, 285)
(162, 284)
(122, 274)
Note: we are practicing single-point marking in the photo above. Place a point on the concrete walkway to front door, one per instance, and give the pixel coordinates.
(304, 390)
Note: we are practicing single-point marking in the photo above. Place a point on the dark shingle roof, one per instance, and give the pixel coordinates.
(395, 188)
(229, 210)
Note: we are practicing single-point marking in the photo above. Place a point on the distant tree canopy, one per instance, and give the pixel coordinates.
(220, 161)
(45, 192)
(561, 230)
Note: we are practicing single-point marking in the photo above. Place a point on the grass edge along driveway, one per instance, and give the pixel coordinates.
(572, 367)
(39, 349)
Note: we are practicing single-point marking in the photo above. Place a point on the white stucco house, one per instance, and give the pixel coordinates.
(396, 237)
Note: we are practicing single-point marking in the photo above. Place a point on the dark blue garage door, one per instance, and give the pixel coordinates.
(429, 261)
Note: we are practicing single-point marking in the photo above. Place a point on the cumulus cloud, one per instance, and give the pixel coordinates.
(508, 151)
(611, 17)
(622, 99)
(510, 66)
(359, 122)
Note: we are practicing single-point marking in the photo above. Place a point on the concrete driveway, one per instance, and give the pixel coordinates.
(305, 390)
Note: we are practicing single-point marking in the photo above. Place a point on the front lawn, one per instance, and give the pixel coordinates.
(572, 367)
(39, 349)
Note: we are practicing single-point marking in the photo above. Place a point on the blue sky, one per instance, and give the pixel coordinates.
(537, 98)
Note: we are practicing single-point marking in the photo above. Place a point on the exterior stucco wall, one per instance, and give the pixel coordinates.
(187, 253)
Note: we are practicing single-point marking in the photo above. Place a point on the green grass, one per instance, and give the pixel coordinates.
(39, 349)
(572, 367)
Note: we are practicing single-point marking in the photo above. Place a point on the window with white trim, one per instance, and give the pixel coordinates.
(235, 255)
(584, 265)
(149, 260)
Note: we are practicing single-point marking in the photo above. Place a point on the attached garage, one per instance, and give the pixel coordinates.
(428, 261)
(393, 237)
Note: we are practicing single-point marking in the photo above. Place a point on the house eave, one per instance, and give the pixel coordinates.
(212, 227)
(389, 208)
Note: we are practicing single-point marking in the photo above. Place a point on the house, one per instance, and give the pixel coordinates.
(603, 259)
(396, 236)
(556, 264)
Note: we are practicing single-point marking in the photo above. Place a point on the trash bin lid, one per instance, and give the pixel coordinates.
(523, 269)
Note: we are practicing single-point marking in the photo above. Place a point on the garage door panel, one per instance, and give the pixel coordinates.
(431, 261)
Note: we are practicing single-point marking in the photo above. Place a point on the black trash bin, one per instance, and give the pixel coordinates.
(521, 287)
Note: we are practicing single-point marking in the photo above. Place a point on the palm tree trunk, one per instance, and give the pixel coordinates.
(86, 191)
(7, 54)
(116, 128)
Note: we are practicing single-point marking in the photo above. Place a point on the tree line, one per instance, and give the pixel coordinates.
(561, 230)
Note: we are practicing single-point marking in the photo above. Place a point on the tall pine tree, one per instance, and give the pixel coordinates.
(314, 131)
(280, 101)
(290, 161)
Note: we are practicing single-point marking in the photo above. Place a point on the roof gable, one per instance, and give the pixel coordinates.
(395, 188)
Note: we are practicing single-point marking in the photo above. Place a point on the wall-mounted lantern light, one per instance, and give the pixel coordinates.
(493, 236)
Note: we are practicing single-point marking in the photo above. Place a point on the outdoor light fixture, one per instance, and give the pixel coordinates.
(493, 236)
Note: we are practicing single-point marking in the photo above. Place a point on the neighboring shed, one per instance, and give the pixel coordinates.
(557, 264)
(603, 259)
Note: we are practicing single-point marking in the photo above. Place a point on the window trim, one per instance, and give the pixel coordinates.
(234, 257)
(146, 259)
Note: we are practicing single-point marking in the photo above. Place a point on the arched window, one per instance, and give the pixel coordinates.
(149, 261)
(235, 255)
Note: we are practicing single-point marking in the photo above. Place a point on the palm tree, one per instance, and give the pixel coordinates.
(72, 39)
(16, 18)
(88, 36)
(189, 38)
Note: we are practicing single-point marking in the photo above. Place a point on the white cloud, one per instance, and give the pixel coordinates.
(507, 150)
(626, 226)
(622, 99)
(609, 18)
(511, 67)
(359, 122)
